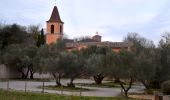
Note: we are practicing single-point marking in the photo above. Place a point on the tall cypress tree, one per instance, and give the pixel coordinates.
(42, 37)
(38, 41)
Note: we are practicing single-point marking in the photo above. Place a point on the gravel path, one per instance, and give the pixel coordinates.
(96, 91)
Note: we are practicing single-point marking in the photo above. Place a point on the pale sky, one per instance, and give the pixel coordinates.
(113, 19)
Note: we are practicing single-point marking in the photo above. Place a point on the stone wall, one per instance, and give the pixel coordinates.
(11, 73)
(8, 72)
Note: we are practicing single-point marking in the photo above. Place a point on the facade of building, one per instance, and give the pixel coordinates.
(55, 32)
(54, 27)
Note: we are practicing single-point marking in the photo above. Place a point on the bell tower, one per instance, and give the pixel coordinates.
(54, 27)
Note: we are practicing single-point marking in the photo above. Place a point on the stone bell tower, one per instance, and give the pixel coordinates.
(54, 27)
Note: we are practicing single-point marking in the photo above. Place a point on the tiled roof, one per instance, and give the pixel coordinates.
(109, 44)
(87, 40)
(97, 36)
(55, 16)
(68, 40)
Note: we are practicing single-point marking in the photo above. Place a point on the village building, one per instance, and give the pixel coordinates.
(55, 28)
(55, 32)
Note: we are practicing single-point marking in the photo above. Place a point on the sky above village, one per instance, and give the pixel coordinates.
(113, 19)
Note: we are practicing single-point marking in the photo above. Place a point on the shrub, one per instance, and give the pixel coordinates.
(166, 87)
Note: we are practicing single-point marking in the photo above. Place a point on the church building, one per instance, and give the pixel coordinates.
(55, 29)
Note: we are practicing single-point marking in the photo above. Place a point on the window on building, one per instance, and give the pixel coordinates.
(61, 29)
(52, 28)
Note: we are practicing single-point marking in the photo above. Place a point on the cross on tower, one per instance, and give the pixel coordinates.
(55, 2)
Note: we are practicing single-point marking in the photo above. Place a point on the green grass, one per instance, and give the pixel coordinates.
(65, 88)
(149, 92)
(13, 95)
(103, 85)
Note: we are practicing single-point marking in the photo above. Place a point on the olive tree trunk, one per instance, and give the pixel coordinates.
(98, 78)
(71, 84)
(126, 90)
(57, 78)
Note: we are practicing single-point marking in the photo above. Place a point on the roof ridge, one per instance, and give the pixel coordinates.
(55, 16)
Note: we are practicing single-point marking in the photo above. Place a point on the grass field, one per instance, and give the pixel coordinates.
(103, 85)
(65, 88)
(13, 95)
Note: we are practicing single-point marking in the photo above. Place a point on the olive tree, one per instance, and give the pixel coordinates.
(49, 60)
(95, 67)
(145, 56)
(97, 62)
(126, 70)
(21, 58)
(162, 61)
(73, 64)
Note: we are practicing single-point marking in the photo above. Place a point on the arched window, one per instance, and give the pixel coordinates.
(52, 28)
(61, 29)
